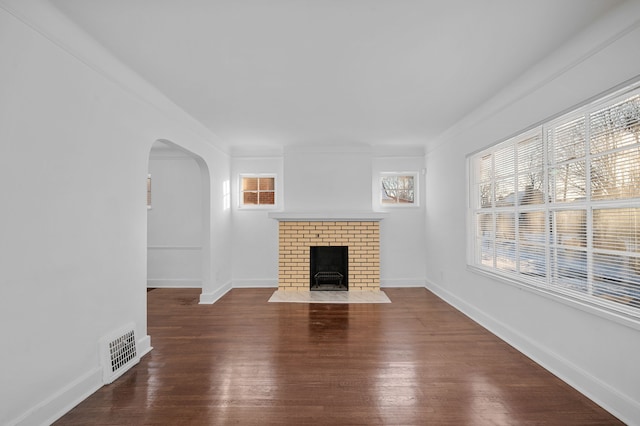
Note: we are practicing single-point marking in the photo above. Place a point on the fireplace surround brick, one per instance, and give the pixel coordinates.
(296, 238)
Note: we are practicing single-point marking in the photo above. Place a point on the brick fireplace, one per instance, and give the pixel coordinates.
(359, 233)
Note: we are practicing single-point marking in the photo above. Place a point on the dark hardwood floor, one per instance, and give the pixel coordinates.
(245, 361)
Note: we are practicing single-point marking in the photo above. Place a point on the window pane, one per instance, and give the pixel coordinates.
(504, 192)
(505, 226)
(617, 229)
(389, 189)
(388, 196)
(249, 184)
(570, 228)
(397, 189)
(250, 198)
(485, 166)
(506, 255)
(616, 176)
(485, 195)
(405, 182)
(568, 182)
(267, 183)
(405, 196)
(532, 260)
(266, 197)
(529, 189)
(484, 239)
(530, 155)
(504, 162)
(616, 126)
(532, 226)
(567, 141)
(569, 268)
(615, 278)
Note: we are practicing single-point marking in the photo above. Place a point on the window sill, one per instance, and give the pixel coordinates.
(258, 207)
(573, 302)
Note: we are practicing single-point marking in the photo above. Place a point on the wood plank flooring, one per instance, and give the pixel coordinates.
(244, 361)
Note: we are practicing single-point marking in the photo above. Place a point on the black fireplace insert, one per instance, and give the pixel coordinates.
(329, 266)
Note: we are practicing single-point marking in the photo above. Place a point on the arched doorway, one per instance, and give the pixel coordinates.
(178, 218)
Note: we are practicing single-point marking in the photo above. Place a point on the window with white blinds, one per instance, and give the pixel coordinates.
(558, 207)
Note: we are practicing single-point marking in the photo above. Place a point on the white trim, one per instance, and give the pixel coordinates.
(256, 283)
(388, 283)
(328, 216)
(211, 298)
(174, 283)
(144, 346)
(402, 282)
(322, 148)
(61, 402)
(594, 309)
(174, 247)
(612, 400)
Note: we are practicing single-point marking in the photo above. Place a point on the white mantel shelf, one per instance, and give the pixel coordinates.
(348, 216)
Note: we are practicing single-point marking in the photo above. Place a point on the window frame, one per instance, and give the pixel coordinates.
(243, 206)
(416, 190)
(553, 283)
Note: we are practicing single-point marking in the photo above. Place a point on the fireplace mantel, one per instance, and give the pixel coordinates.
(334, 216)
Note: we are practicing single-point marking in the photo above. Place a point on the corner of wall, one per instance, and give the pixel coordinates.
(211, 298)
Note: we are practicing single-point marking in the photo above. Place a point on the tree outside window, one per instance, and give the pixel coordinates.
(398, 189)
(559, 206)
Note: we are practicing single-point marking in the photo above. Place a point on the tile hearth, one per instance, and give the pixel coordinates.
(330, 297)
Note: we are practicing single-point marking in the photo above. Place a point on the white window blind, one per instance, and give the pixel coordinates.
(558, 207)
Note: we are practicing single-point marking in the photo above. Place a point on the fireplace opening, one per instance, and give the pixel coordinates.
(329, 266)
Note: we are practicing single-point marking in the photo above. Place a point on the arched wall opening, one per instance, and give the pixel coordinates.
(178, 218)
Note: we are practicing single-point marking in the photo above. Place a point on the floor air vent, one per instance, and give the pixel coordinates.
(118, 353)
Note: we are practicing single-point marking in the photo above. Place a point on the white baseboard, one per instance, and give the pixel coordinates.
(210, 298)
(174, 283)
(402, 282)
(58, 404)
(258, 283)
(612, 400)
(273, 283)
(144, 345)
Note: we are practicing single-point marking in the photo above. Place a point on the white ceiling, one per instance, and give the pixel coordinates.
(282, 72)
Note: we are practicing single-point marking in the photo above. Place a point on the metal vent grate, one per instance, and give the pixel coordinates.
(122, 350)
(119, 353)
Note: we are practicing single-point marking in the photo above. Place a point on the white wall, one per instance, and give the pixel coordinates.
(328, 180)
(596, 353)
(75, 133)
(402, 231)
(174, 222)
(255, 236)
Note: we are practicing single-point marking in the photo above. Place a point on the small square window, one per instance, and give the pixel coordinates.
(257, 191)
(398, 189)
